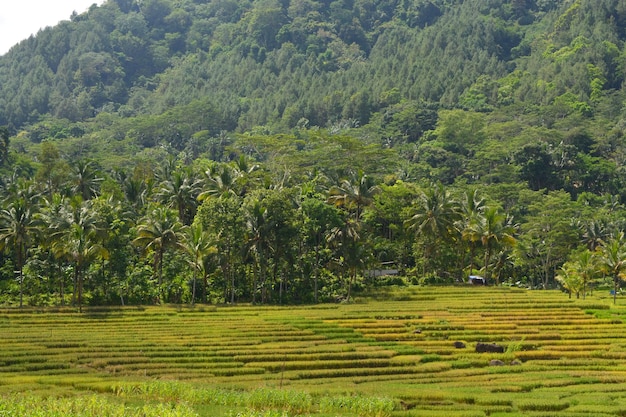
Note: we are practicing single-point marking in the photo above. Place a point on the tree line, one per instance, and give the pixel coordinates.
(228, 151)
(237, 231)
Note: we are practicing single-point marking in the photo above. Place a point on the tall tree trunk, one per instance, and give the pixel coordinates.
(160, 275)
(232, 286)
(487, 258)
(104, 280)
(21, 277)
(79, 284)
(471, 254)
(61, 285)
(195, 273)
(205, 280)
(317, 272)
(75, 289)
(351, 278)
(20, 267)
(255, 278)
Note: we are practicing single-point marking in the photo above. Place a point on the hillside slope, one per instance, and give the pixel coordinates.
(277, 62)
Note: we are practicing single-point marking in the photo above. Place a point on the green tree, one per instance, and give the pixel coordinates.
(472, 218)
(433, 222)
(53, 171)
(224, 218)
(17, 230)
(547, 236)
(384, 222)
(613, 261)
(350, 251)
(354, 194)
(270, 216)
(74, 231)
(496, 231)
(570, 279)
(218, 180)
(258, 227)
(285, 238)
(199, 245)
(85, 179)
(585, 264)
(319, 219)
(113, 277)
(157, 232)
(180, 192)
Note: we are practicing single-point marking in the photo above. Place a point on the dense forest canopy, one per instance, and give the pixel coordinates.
(285, 150)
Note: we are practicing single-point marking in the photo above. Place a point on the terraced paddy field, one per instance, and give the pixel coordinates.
(405, 352)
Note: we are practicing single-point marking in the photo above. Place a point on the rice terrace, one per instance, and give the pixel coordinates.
(404, 352)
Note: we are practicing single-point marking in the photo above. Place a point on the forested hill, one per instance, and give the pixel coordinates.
(278, 62)
(284, 148)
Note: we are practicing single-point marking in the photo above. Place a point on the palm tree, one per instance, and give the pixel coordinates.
(17, 227)
(497, 230)
(14, 188)
(180, 193)
(86, 181)
(593, 233)
(198, 244)
(587, 268)
(52, 209)
(318, 219)
(135, 190)
(613, 260)
(570, 279)
(354, 194)
(350, 250)
(435, 217)
(74, 232)
(157, 232)
(472, 216)
(258, 229)
(223, 179)
(218, 181)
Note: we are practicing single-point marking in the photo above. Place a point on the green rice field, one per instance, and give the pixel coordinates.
(389, 355)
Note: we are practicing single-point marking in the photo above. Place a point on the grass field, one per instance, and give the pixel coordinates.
(389, 355)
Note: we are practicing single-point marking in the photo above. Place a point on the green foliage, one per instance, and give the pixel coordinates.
(249, 120)
(251, 59)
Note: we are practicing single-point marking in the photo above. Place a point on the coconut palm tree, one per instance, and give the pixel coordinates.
(354, 194)
(198, 244)
(156, 232)
(180, 192)
(258, 229)
(346, 239)
(570, 279)
(594, 232)
(496, 231)
(218, 181)
(74, 230)
(587, 268)
(613, 260)
(472, 210)
(17, 229)
(86, 180)
(435, 215)
(135, 190)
